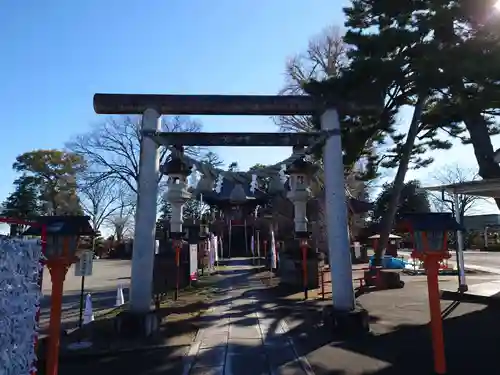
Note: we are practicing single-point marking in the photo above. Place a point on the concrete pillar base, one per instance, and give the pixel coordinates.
(347, 323)
(132, 325)
(463, 288)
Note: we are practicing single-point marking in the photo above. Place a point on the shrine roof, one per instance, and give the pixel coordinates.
(212, 197)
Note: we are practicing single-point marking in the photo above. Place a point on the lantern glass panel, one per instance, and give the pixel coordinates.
(433, 244)
(55, 245)
(52, 248)
(418, 239)
(435, 241)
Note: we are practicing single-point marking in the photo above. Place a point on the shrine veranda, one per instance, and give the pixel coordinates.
(152, 107)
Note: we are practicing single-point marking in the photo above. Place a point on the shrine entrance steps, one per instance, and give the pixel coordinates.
(241, 334)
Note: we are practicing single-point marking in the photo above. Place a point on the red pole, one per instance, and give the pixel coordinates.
(304, 267)
(177, 266)
(58, 269)
(432, 265)
(322, 283)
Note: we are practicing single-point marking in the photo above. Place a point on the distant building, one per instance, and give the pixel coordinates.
(480, 222)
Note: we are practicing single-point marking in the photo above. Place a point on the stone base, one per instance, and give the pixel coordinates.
(136, 325)
(387, 279)
(291, 273)
(463, 288)
(347, 323)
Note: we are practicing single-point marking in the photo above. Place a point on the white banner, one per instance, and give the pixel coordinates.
(273, 251)
(215, 243)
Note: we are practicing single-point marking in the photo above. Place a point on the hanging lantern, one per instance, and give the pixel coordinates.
(204, 227)
(238, 195)
(430, 233)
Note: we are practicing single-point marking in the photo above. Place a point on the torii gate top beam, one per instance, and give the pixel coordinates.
(263, 105)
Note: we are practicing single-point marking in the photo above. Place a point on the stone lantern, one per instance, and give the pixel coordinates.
(177, 194)
(237, 199)
(300, 172)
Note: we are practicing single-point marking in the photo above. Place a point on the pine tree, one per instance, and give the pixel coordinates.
(165, 210)
(22, 203)
(410, 200)
(394, 57)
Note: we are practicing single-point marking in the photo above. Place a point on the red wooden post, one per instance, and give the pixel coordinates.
(304, 267)
(177, 268)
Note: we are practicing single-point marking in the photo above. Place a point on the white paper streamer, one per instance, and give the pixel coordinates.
(282, 174)
(19, 301)
(218, 184)
(253, 184)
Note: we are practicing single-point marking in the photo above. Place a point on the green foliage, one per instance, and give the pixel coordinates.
(53, 173)
(23, 202)
(233, 167)
(256, 167)
(393, 59)
(212, 159)
(165, 210)
(193, 209)
(446, 50)
(467, 32)
(410, 200)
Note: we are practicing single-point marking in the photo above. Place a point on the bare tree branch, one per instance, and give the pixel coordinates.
(325, 55)
(121, 220)
(99, 199)
(111, 149)
(452, 174)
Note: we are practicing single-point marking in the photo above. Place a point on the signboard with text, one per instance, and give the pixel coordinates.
(193, 262)
(84, 265)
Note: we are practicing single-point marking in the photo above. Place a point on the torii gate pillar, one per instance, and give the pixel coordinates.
(344, 314)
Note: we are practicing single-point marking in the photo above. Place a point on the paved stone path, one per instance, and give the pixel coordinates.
(241, 336)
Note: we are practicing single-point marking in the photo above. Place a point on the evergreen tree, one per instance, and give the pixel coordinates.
(23, 202)
(467, 32)
(410, 200)
(395, 54)
(165, 210)
(54, 174)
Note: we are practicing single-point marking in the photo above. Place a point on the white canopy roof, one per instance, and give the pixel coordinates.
(376, 236)
(481, 188)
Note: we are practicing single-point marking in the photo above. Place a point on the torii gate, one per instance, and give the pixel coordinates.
(152, 107)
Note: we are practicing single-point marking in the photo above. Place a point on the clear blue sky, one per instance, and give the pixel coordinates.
(57, 53)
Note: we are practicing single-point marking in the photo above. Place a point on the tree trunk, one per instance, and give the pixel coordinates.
(483, 148)
(388, 218)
